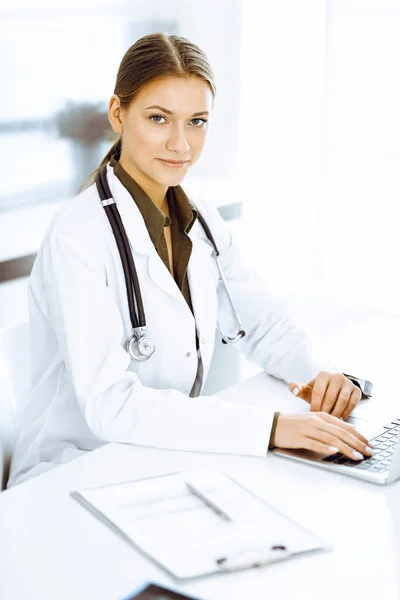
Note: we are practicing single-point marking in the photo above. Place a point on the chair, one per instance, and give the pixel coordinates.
(14, 387)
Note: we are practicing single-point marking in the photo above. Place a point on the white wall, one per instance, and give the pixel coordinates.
(283, 61)
(320, 146)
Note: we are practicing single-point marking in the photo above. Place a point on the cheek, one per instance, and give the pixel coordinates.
(197, 141)
(146, 139)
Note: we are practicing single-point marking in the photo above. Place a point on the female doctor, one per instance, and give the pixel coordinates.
(126, 293)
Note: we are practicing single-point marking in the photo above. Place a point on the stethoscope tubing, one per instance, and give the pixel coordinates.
(135, 302)
(128, 265)
(226, 339)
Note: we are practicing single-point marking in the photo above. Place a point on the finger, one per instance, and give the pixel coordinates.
(301, 390)
(350, 448)
(295, 387)
(320, 447)
(331, 393)
(349, 437)
(343, 399)
(353, 401)
(319, 389)
(331, 420)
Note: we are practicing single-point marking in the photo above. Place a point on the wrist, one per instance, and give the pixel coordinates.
(363, 384)
(273, 431)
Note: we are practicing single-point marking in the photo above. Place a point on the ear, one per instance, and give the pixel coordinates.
(114, 114)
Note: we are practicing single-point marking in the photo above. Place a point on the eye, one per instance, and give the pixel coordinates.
(156, 119)
(198, 122)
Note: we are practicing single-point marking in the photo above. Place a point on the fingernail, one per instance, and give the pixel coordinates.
(357, 455)
(370, 451)
(295, 391)
(333, 449)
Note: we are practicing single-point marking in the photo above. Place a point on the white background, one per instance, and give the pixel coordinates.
(305, 133)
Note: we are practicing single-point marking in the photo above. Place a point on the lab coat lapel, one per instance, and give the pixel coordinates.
(139, 238)
(203, 279)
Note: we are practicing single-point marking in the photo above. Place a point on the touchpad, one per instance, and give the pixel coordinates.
(367, 428)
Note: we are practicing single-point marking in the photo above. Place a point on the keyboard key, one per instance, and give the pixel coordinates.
(331, 458)
(379, 469)
(341, 460)
(384, 443)
(364, 465)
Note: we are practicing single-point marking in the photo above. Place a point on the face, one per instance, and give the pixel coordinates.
(163, 130)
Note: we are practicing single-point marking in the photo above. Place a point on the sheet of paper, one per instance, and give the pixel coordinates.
(179, 531)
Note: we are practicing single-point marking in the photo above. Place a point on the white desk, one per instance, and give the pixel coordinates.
(51, 547)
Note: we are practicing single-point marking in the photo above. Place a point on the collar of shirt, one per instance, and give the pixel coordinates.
(154, 218)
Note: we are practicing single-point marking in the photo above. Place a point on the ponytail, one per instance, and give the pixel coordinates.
(115, 150)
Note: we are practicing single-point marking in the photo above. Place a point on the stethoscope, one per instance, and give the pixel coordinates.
(139, 346)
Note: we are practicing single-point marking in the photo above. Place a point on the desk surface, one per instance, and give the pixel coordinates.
(51, 547)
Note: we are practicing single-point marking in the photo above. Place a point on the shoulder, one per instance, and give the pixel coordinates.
(79, 231)
(79, 217)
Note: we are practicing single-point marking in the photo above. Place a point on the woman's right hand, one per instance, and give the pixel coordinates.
(321, 432)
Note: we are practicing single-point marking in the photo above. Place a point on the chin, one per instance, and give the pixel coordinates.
(171, 179)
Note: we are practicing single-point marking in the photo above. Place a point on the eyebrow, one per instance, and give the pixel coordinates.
(169, 112)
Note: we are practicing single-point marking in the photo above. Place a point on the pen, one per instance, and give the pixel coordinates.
(221, 513)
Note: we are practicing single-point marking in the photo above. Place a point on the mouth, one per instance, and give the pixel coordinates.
(174, 164)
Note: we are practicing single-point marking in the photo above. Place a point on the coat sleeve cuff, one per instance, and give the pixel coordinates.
(364, 385)
(273, 429)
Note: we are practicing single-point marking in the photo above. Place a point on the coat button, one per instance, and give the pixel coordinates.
(188, 354)
(203, 340)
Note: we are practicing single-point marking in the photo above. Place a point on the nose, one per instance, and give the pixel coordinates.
(177, 141)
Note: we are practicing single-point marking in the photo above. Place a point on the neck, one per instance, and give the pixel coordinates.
(155, 191)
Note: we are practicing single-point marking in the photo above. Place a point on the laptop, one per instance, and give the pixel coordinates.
(382, 468)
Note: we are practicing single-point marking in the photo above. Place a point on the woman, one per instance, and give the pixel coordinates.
(86, 388)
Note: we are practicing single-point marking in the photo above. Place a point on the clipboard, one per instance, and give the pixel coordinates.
(198, 523)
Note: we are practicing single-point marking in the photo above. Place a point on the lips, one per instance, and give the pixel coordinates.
(174, 164)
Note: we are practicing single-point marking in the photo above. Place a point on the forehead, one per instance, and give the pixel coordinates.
(177, 94)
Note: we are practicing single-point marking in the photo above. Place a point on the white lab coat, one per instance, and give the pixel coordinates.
(85, 388)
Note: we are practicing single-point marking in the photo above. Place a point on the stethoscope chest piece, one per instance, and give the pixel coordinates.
(140, 347)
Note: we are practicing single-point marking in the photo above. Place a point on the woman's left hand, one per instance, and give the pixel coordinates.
(329, 392)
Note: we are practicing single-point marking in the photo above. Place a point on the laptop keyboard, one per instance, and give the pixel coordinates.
(384, 445)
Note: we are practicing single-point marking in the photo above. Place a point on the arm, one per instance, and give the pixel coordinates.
(283, 350)
(114, 402)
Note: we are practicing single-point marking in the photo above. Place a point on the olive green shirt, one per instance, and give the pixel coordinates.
(181, 220)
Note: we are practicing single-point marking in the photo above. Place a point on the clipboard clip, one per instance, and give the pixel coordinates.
(253, 558)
